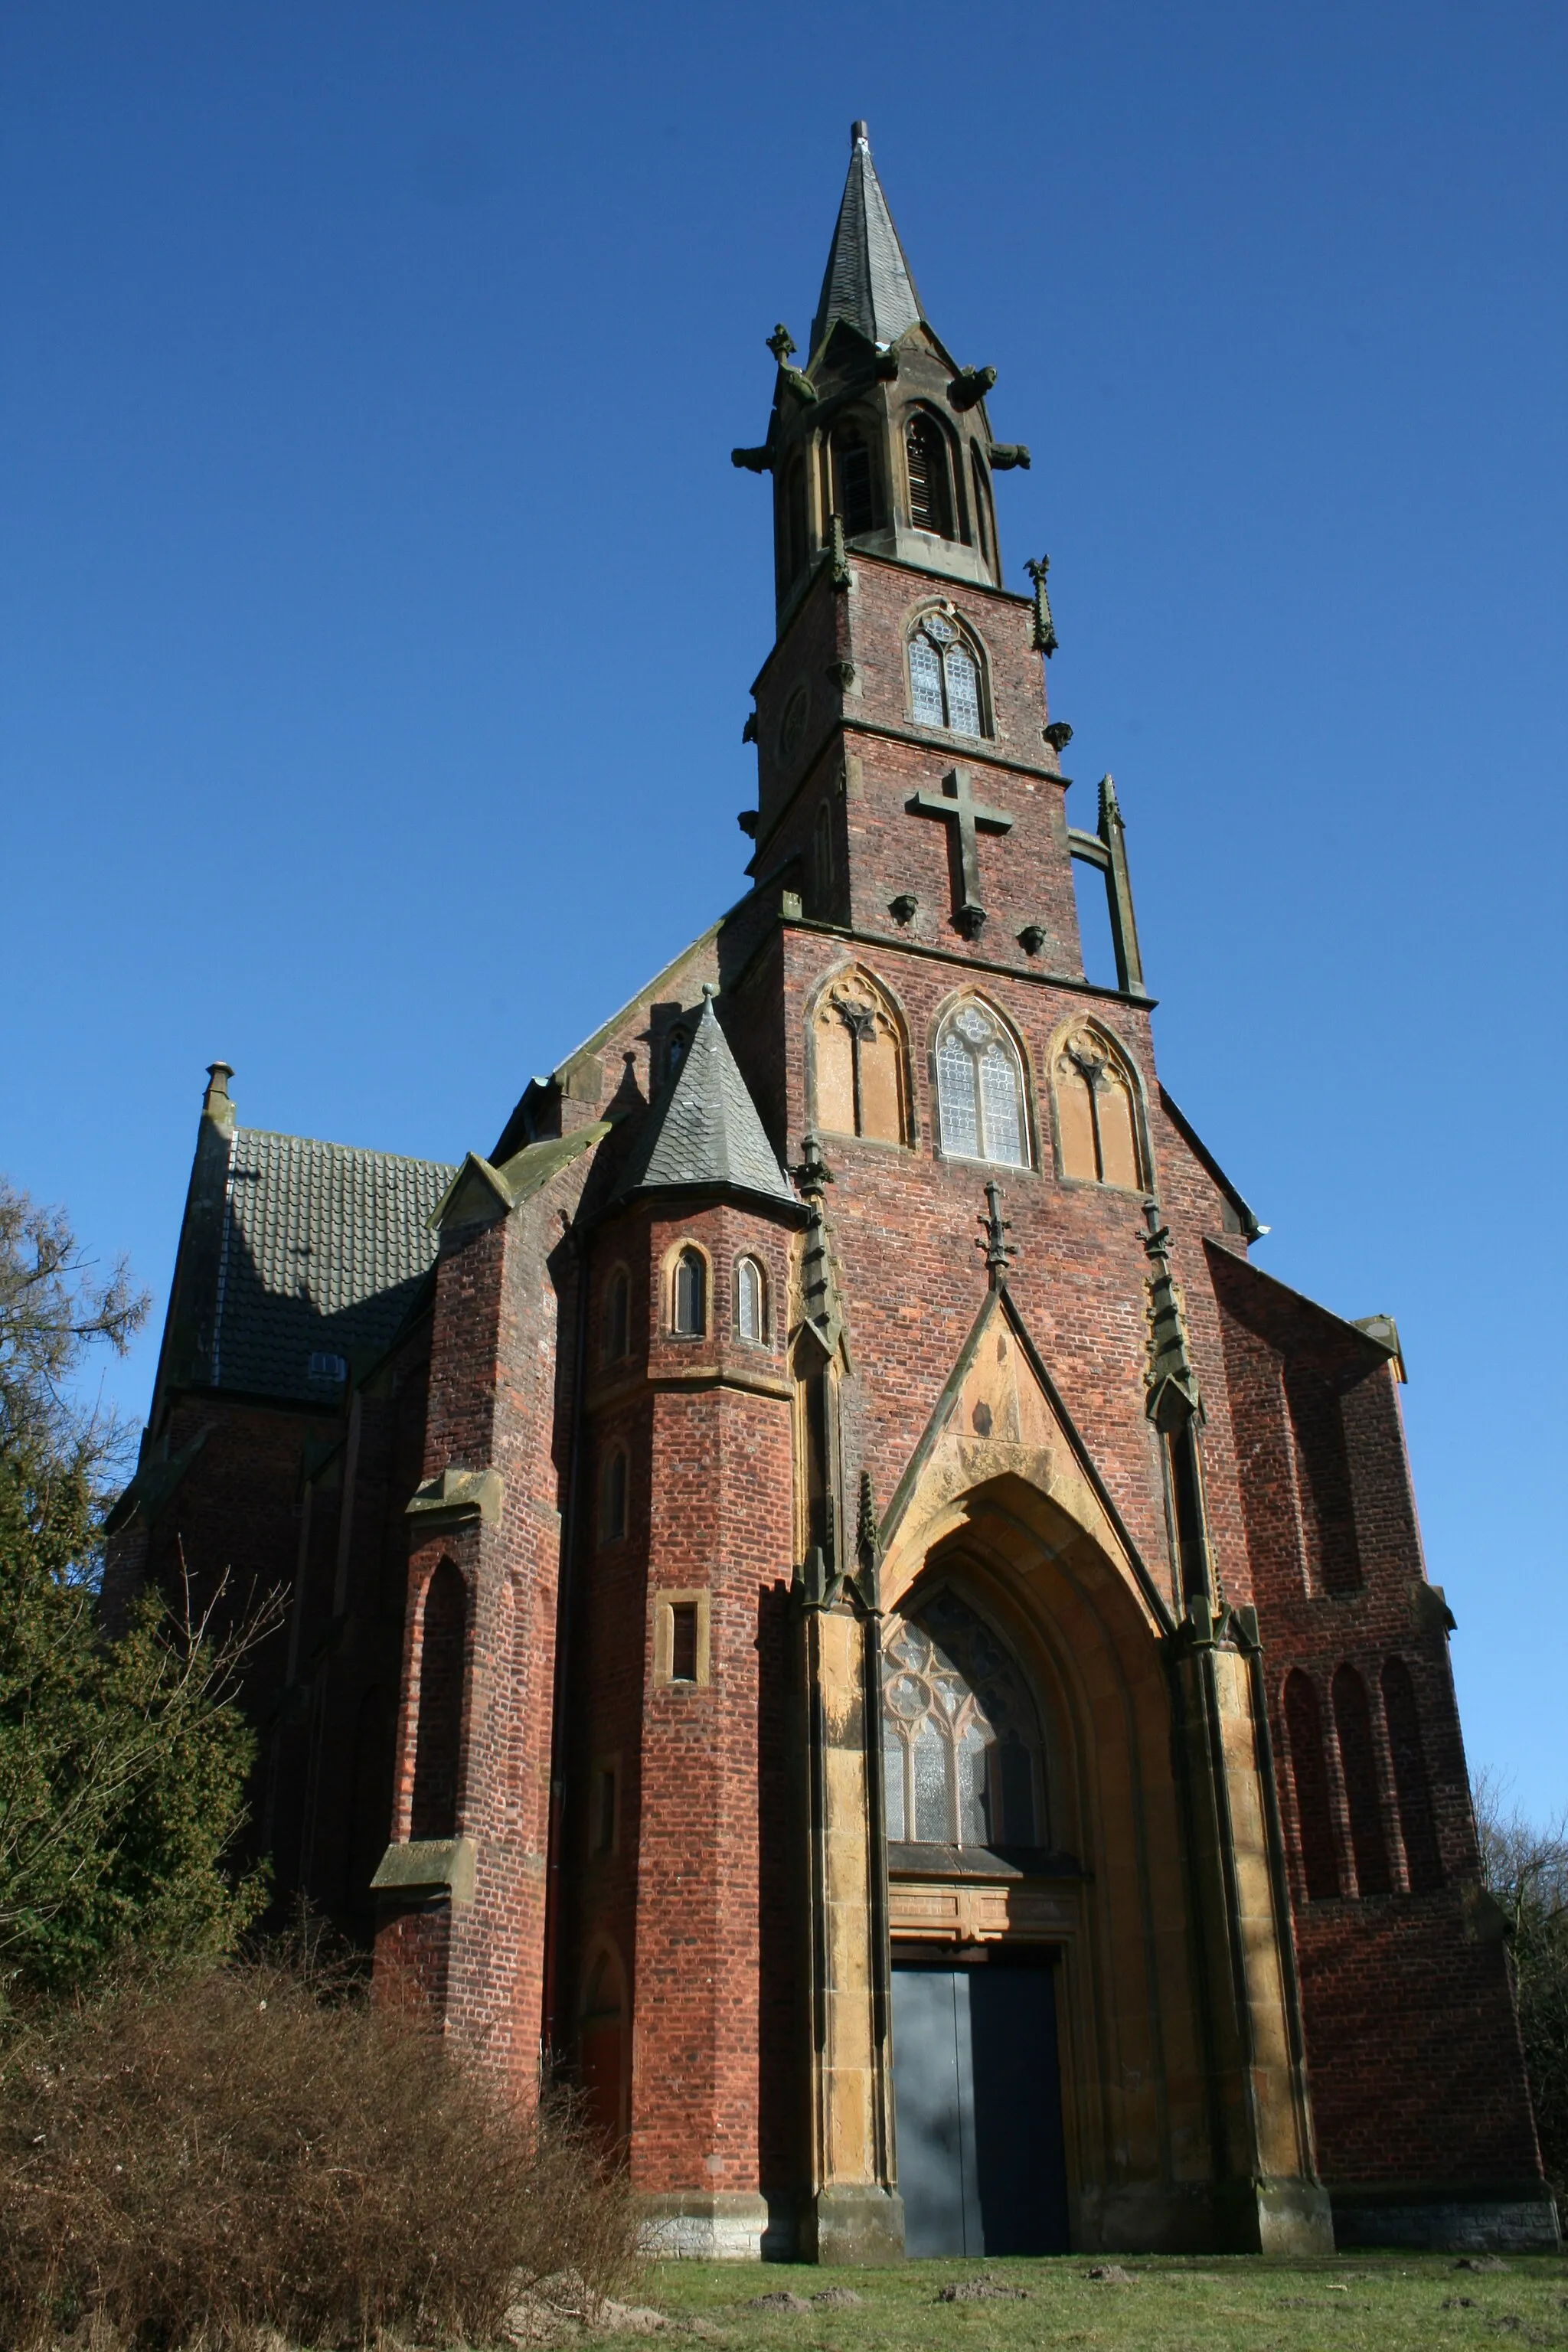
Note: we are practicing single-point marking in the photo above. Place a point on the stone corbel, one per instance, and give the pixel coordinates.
(426, 1868)
(457, 1496)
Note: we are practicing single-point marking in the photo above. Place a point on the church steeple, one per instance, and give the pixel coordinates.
(868, 280)
(880, 441)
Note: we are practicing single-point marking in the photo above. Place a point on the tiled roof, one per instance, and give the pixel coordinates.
(867, 279)
(704, 1130)
(323, 1248)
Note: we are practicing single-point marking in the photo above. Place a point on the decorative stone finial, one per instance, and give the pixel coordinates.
(780, 342)
(1044, 627)
(993, 1239)
(708, 990)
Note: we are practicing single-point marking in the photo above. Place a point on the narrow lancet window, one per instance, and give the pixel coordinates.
(750, 1301)
(980, 1089)
(1309, 1771)
(930, 484)
(853, 496)
(688, 1315)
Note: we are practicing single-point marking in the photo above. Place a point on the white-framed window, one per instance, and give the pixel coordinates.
(750, 1301)
(980, 1088)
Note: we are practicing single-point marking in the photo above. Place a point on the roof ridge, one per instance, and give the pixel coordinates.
(325, 1143)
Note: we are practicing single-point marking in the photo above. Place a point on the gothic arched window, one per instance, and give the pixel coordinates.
(688, 1295)
(980, 1088)
(1097, 1118)
(944, 678)
(931, 481)
(616, 1329)
(1352, 1721)
(437, 1747)
(1309, 1771)
(859, 1056)
(1417, 1825)
(854, 497)
(750, 1301)
(961, 1737)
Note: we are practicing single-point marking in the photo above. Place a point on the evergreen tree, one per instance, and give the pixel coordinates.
(122, 1763)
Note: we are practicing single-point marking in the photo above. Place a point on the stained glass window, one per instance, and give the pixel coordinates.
(980, 1089)
(944, 679)
(961, 1758)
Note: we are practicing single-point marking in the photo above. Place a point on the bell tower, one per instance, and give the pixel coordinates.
(880, 441)
(909, 782)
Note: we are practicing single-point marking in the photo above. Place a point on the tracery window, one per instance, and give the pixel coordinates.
(859, 1056)
(944, 678)
(750, 1301)
(980, 1088)
(688, 1300)
(931, 482)
(792, 532)
(1097, 1120)
(854, 498)
(961, 1737)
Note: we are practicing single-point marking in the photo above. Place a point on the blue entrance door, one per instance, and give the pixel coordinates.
(977, 2100)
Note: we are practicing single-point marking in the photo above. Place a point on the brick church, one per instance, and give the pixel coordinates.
(826, 1596)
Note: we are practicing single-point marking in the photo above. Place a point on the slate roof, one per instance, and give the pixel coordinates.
(867, 278)
(703, 1129)
(323, 1249)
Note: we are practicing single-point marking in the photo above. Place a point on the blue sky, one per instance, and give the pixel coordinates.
(378, 604)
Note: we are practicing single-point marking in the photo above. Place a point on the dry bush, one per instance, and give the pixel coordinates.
(226, 2149)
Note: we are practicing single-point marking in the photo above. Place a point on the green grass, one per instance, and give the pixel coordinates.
(1394, 2302)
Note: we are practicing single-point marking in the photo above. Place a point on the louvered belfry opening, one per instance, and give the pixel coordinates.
(931, 490)
(852, 489)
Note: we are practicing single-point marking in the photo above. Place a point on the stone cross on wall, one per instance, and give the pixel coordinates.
(956, 804)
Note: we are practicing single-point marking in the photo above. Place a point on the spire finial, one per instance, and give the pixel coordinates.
(1172, 1383)
(709, 990)
(1044, 627)
(994, 1239)
(859, 134)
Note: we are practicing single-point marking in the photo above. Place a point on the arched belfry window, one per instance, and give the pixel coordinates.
(1097, 1117)
(854, 491)
(985, 530)
(930, 477)
(860, 1060)
(944, 678)
(980, 1088)
(961, 1737)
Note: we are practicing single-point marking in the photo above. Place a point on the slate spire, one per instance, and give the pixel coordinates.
(702, 1133)
(867, 279)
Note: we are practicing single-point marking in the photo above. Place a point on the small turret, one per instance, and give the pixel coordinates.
(880, 441)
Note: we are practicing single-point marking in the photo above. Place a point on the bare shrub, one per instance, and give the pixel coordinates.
(228, 2149)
